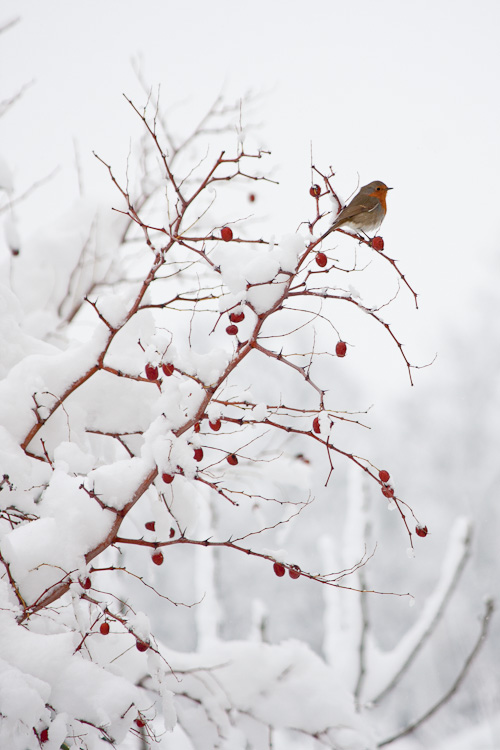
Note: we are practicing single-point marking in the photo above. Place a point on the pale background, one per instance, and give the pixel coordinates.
(399, 91)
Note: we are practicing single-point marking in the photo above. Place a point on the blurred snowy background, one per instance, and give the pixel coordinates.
(401, 92)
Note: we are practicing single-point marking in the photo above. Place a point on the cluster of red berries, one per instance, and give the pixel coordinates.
(387, 490)
(152, 370)
(234, 317)
(293, 571)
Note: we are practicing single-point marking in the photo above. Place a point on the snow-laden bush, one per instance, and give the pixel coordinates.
(167, 387)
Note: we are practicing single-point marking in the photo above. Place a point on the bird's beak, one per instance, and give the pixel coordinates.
(390, 188)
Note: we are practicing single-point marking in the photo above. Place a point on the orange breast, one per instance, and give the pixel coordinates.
(381, 195)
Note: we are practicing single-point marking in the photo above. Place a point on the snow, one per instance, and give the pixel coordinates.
(48, 671)
(290, 248)
(140, 626)
(43, 376)
(214, 411)
(262, 298)
(115, 483)
(41, 552)
(113, 309)
(169, 712)
(262, 268)
(230, 301)
(278, 684)
(260, 412)
(207, 366)
(70, 458)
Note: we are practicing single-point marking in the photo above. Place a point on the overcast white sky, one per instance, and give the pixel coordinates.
(404, 92)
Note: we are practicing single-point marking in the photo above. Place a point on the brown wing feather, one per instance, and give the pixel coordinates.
(355, 208)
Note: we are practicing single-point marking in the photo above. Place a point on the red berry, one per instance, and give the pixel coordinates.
(171, 533)
(215, 426)
(321, 260)
(150, 525)
(44, 735)
(198, 454)
(377, 243)
(104, 628)
(315, 191)
(140, 723)
(294, 572)
(157, 558)
(251, 197)
(141, 645)
(387, 491)
(197, 427)
(167, 478)
(232, 459)
(167, 369)
(151, 372)
(316, 425)
(341, 348)
(236, 317)
(227, 234)
(421, 530)
(279, 569)
(384, 475)
(232, 330)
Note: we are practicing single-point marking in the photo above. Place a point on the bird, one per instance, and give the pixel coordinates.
(366, 212)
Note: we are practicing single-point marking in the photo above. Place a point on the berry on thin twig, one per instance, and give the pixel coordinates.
(279, 569)
(341, 348)
(157, 558)
(378, 244)
(151, 371)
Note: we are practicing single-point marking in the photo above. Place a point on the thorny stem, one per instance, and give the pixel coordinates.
(328, 579)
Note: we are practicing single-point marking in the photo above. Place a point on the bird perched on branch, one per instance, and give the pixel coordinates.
(366, 211)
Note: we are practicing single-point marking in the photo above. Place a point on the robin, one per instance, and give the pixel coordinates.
(366, 211)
